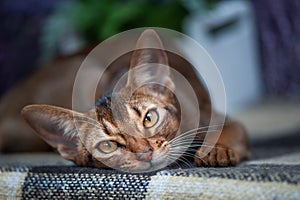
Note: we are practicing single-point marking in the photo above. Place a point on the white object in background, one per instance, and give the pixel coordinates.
(228, 34)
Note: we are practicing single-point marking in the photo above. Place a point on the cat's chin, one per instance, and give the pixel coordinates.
(136, 167)
(144, 166)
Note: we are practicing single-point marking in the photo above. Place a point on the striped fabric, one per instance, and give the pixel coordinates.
(273, 175)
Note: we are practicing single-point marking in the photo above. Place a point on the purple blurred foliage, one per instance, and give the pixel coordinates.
(20, 24)
(278, 24)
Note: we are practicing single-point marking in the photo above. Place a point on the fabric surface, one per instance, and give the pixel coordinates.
(272, 173)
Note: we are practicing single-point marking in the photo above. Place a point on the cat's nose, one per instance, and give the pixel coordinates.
(146, 155)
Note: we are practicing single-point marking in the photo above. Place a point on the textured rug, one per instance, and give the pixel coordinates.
(272, 173)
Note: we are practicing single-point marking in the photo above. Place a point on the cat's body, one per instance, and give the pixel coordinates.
(40, 87)
(138, 127)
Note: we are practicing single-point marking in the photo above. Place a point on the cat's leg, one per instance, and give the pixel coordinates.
(230, 149)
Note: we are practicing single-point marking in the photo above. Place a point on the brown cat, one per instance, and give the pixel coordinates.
(137, 128)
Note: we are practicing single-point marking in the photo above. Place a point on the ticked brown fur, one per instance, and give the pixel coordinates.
(139, 132)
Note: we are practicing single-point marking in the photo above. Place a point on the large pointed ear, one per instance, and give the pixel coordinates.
(149, 62)
(54, 125)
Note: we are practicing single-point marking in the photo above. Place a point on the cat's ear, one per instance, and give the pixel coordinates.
(149, 62)
(54, 125)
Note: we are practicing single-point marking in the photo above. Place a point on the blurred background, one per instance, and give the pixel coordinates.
(255, 44)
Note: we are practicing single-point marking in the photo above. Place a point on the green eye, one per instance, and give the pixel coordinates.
(150, 119)
(108, 146)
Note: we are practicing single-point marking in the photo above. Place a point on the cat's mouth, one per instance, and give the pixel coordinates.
(158, 160)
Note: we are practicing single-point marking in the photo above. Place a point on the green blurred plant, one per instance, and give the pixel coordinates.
(96, 20)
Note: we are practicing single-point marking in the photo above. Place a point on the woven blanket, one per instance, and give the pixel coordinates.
(272, 173)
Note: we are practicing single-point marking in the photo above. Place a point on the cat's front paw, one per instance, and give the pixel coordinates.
(219, 156)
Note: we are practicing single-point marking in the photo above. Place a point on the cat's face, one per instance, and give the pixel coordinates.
(129, 130)
(135, 137)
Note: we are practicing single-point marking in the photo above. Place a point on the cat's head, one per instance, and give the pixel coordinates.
(128, 130)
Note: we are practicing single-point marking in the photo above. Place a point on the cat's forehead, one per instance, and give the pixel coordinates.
(120, 101)
(123, 110)
(125, 115)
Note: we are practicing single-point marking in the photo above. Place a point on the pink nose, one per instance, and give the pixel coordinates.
(146, 155)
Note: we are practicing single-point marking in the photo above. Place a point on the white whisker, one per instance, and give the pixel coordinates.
(181, 159)
(204, 127)
(191, 134)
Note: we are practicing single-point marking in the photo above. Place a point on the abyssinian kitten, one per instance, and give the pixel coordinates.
(140, 132)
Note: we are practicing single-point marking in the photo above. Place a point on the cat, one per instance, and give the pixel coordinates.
(137, 128)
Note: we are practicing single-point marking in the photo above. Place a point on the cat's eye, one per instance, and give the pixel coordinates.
(151, 118)
(107, 146)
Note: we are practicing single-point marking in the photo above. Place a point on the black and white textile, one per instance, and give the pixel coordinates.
(272, 173)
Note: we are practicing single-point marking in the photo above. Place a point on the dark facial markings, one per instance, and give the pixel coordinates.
(138, 112)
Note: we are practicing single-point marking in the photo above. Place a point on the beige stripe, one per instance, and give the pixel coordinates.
(11, 184)
(175, 187)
